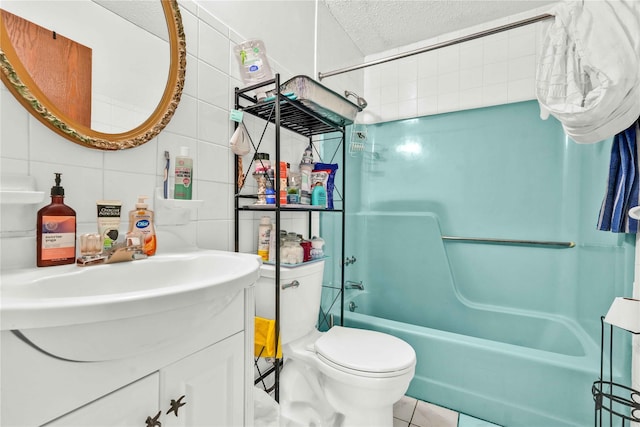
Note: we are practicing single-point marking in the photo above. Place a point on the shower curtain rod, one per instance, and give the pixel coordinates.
(452, 42)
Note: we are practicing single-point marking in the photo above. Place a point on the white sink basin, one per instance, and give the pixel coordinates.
(120, 310)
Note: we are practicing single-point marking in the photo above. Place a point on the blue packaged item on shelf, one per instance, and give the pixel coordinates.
(331, 169)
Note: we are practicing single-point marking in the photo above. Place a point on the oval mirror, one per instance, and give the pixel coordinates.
(168, 62)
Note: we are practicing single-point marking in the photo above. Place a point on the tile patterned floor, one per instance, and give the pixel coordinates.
(410, 412)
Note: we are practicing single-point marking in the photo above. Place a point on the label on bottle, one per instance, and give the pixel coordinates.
(263, 242)
(58, 237)
(143, 225)
(182, 189)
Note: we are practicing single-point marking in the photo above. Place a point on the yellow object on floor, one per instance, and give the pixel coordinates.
(264, 341)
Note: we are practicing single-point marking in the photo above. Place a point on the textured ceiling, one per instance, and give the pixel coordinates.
(379, 25)
(146, 14)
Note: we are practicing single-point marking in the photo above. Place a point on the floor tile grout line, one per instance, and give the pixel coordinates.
(413, 412)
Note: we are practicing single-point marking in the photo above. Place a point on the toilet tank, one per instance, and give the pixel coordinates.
(299, 305)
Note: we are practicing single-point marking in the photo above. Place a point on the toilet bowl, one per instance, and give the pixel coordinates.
(342, 377)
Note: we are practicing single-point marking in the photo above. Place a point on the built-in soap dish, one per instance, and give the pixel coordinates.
(21, 197)
(174, 211)
(18, 189)
(176, 203)
(18, 206)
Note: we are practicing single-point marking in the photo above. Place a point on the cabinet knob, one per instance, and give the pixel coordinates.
(153, 422)
(176, 404)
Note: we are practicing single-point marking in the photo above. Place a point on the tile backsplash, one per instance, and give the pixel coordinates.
(491, 70)
(201, 122)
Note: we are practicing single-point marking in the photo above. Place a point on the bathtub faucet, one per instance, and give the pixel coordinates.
(349, 284)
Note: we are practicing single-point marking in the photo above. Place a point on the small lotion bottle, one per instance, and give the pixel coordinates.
(56, 231)
(184, 175)
(141, 220)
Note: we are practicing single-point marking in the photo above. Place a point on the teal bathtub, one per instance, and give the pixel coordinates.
(509, 333)
(530, 384)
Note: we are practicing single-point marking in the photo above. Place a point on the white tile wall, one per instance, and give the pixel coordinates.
(201, 122)
(491, 70)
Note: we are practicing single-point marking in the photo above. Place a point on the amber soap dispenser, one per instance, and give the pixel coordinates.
(56, 231)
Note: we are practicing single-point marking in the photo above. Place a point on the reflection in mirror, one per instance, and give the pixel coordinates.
(67, 84)
(137, 66)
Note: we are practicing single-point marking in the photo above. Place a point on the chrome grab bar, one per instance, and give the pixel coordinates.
(293, 284)
(511, 241)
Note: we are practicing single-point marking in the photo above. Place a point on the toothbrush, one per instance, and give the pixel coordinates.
(166, 175)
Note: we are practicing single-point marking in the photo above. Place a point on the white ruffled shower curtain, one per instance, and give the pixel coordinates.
(588, 75)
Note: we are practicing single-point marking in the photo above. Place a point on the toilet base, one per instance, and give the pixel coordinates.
(302, 401)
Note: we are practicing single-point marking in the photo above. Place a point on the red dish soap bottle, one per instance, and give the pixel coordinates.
(56, 231)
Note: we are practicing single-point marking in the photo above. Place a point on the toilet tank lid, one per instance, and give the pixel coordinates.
(364, 350)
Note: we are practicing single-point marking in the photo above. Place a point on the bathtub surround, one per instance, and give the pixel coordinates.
(507, 333)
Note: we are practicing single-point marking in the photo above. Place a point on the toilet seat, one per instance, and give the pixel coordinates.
(365, 353)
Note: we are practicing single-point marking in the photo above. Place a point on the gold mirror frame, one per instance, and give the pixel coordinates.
(22, 86)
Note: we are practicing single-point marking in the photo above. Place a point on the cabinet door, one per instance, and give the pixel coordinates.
(212, 383)
(127, 407)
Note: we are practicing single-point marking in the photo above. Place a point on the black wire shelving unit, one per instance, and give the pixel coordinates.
(295, 116)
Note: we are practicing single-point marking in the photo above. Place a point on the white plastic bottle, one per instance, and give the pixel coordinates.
(184, 175)
(272, 244)
(254, 66)
(264, 230)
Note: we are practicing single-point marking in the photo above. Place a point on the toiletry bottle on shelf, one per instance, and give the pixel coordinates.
(306, 166)
(264, 230)
(319, 195)
(254, 65)
(270, 192)
(56, 231)
(272, 243)
(141, 220)
(283, 183)
(184, 175)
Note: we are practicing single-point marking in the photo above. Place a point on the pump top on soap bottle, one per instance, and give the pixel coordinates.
(56, 230)
(57, 190)
(141, 202)
(141, 220)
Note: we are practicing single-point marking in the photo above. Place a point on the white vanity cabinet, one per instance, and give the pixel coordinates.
(211, 383)
(203, 389)
(129, 406)
(207, 376)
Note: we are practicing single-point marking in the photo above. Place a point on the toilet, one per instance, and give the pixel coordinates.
(343, 377)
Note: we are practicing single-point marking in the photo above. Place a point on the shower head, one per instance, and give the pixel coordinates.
(362, 103)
